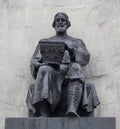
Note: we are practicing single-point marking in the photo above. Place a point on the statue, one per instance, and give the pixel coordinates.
(65, 81)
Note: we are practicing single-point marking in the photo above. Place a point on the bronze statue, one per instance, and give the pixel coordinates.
(52, 83)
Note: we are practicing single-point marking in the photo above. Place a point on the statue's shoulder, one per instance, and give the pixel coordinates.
(48, 39)
(77, 41)
(45, 39)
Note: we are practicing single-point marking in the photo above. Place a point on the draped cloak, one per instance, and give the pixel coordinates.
(49, 81)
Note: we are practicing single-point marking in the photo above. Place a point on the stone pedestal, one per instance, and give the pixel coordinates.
(60, 123)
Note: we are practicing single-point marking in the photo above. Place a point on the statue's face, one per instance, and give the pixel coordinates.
(60, 24)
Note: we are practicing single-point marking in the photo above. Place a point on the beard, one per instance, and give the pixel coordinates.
(60, 28)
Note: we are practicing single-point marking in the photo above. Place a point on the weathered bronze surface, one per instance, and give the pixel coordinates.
(52, 53)
(60, 88)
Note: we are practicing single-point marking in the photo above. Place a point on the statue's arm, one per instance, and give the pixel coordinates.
(82, 56)
(35, 61)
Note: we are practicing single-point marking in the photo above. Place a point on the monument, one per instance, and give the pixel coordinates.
(60, 94)
(56, 66)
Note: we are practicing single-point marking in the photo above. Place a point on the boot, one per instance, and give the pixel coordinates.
(74, 94)
(44, 109)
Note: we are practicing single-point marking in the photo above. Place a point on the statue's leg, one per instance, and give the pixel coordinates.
(74, 94)
(44, 109)
(45, 90)
(74, 88)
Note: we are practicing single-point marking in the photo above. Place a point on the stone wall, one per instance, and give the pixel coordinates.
(24, 22)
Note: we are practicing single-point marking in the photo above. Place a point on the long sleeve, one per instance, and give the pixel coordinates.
(35, 60)
(82, 55)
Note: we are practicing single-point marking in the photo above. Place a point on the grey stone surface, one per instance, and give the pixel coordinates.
(60, 123)
(97, 22)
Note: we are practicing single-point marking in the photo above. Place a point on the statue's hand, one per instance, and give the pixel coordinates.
(37, 64)
(69, 49)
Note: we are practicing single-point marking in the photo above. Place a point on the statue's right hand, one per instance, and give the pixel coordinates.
(69, 49)
(66, 47)
(37, 64)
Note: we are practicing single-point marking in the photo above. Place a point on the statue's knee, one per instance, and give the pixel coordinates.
(45, 68)
(76, 66)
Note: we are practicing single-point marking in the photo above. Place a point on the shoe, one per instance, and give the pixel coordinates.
(71, 114)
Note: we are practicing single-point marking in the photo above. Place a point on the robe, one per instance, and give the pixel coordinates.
(48, 81)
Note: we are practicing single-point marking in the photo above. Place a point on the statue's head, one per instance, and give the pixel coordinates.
(61, 22)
